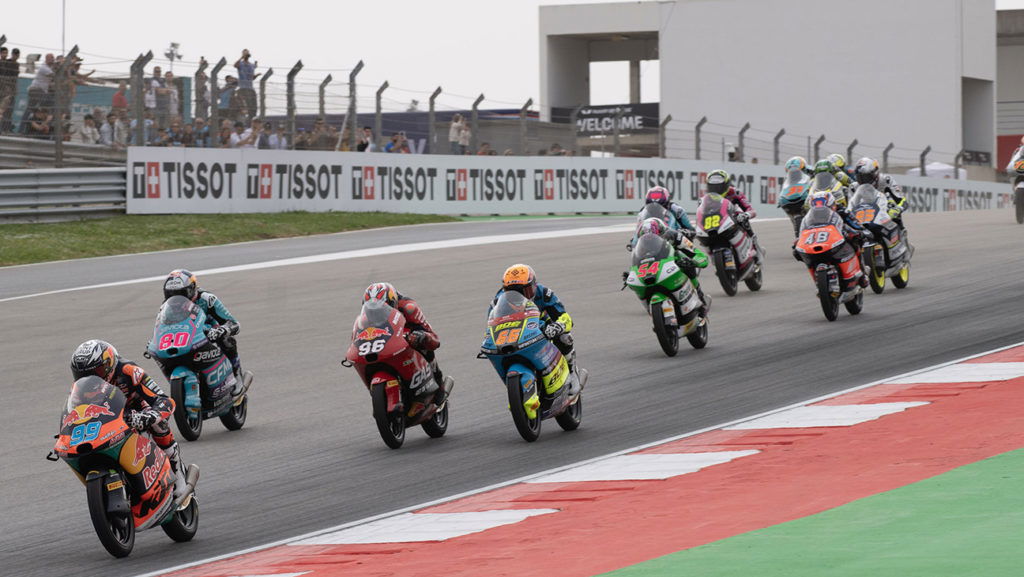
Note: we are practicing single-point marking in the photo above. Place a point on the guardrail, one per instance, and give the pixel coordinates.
(37, 195)
(18, 152)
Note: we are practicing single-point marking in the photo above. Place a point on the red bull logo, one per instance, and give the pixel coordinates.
(372, 333)
(142, 450)
(83, 413)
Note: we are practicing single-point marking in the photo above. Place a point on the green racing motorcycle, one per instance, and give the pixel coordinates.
(667, 294)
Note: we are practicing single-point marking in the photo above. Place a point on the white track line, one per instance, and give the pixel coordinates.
(552, 471)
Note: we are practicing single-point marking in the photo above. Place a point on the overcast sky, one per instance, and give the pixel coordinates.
(466, 46)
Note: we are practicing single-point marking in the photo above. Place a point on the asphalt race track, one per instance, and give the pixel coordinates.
(309, 456)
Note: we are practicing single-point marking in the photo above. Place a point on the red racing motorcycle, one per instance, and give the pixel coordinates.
(399, 378)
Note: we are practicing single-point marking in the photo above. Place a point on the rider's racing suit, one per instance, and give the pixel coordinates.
(423, 338)
(217, 315)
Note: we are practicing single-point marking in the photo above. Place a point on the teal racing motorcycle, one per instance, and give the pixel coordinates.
(536, 374)
(667, 294)
(201, 376)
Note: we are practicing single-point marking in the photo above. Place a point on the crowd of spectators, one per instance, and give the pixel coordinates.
(163, 121)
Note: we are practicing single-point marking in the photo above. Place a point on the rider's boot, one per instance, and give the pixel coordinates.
(239, 387)
(442, 384)
(174, 454)
(706, 307)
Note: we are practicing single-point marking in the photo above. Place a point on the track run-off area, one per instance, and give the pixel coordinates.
(309, 456)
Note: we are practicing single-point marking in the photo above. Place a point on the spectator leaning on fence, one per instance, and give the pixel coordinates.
(89, 133)
(278, 140)
(173, 105)
(39, 95)
(8, 87)
(202, 133)
(244, 137)
(365, 143)
(464, 138)
(454, 133)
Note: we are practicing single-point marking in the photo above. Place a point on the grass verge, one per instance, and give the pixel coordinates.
(40, 242)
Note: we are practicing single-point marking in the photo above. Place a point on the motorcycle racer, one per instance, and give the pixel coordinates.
(149, 406)
(223, 326)
(867, 171)
(799, 163)
(422, 338)
(842, 173)
(556, 322)
(720, 182)
(688, 256)
(659, 194)
(853, 232)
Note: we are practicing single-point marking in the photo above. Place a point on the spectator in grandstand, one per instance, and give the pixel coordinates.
(365, 142)
(465, 136)
(40, 124)
(147, 128)
(39, 95)
(301, 140)
(245, 137)
(8, 86)
(121, 124)
(263, 140)
(120, 99)
(278, 140)
(173, 102)
(556, 150)
(246, 74)
(224, 136)
(188, 136)
(160, 98)
(162, 138)
(226, 98)
(201, 131)
(319, 138)
(89, 133)
(202, 90)
(244, 115)
(175, 133)
(393, 144)
(485, 149)
(455, 133)
(344, 144)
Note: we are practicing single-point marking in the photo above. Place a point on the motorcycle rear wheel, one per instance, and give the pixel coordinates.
(726, 276)
(235, 418)
(189, 427)
(437, 425)
(668, 337)
(183, 525)
(529, 429)
(117, 534)
(829, 305)
(572, 416)
(391, 426)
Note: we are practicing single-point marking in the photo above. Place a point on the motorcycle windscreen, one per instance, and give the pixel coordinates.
(655, 210)
(514, 320)
(709, 211)
(176, 326)
(374, 330)
(867, 194)
(650, 248)
(824, 181)
(91, 415)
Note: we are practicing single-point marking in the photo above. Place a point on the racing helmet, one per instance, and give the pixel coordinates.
(866, 171)
(383, 292)
(520, 278)
(838, 161)
(797, 163)
(824, 165)
(823, 198)
(718, 181)
(94, 357)
(181, 282)
(658, 194)
(652, 226)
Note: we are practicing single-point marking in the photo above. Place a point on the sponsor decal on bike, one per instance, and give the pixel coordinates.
(372, 333)
(83, 413)
(207, 355)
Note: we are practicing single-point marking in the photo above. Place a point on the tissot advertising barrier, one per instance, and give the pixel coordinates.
(192, 180)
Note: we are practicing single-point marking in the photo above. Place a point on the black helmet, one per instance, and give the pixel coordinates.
(94, 357)
(867, 171)
(181, 282)
(718, 181)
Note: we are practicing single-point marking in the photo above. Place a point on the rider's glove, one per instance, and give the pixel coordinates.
(742, 217)
(552, 330)
(689, 233)
(895, 212)
(416, 339)
(216, 333)
(142, 420)
(688, 266)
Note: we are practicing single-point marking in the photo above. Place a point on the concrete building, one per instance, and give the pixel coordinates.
(916, 73)
(1010, 84)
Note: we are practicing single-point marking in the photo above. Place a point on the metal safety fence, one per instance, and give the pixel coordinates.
(39, 195)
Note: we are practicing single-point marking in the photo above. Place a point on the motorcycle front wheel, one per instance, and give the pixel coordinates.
(668, 337)
(829, 304)
(699, 337)
(756, 280)
(856, 305)
(437, 425)
(727, 277)
(1019, 201)
(183, 525)
(116, 533)
(529, 429)
(235, 418)
(189, 426)
(391, 426)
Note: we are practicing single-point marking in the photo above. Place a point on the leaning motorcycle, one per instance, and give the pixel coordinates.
(1018, 189)
(399, 378)
(794, 192)
(832, 262)
(653, 210)
(536, 374)
(735, 252)
(201, 376)
(889, 254)
(667, 294)
(129, 481)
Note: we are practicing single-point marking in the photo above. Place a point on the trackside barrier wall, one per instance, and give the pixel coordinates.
(61, 193)
(177, 180)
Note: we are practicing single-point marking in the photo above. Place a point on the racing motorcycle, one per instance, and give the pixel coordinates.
(1018, 188)
(889, 254)
(735, 252)
(399, 378)
(667, 294)
(794, 192)
(129, 481)
(536, 374)
(832, 261)
(201, 376)
(654, 210)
